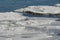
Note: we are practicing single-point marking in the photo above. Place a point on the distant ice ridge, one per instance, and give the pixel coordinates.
(40, 9)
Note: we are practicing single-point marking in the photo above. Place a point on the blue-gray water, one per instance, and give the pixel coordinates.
(11, 5)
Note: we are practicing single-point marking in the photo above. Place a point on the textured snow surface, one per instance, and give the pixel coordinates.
(15, 26)
(10, 16)
(41, 9)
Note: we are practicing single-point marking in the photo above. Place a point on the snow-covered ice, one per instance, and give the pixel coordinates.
(15, 26)
(10, 16)
(57, 5)
(41, 9)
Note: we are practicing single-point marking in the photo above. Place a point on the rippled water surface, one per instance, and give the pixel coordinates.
(11, 5)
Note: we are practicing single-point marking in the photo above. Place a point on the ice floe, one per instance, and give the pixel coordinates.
(40, 10)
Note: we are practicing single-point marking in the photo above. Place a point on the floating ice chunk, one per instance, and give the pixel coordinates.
(40, 10)
(57, 5)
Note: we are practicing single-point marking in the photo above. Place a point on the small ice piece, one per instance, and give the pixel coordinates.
(57, 5)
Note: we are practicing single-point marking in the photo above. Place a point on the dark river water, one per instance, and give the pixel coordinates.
(11, 5)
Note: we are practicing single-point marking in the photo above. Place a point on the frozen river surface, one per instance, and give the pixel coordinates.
(21, 26)
(16, 26)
